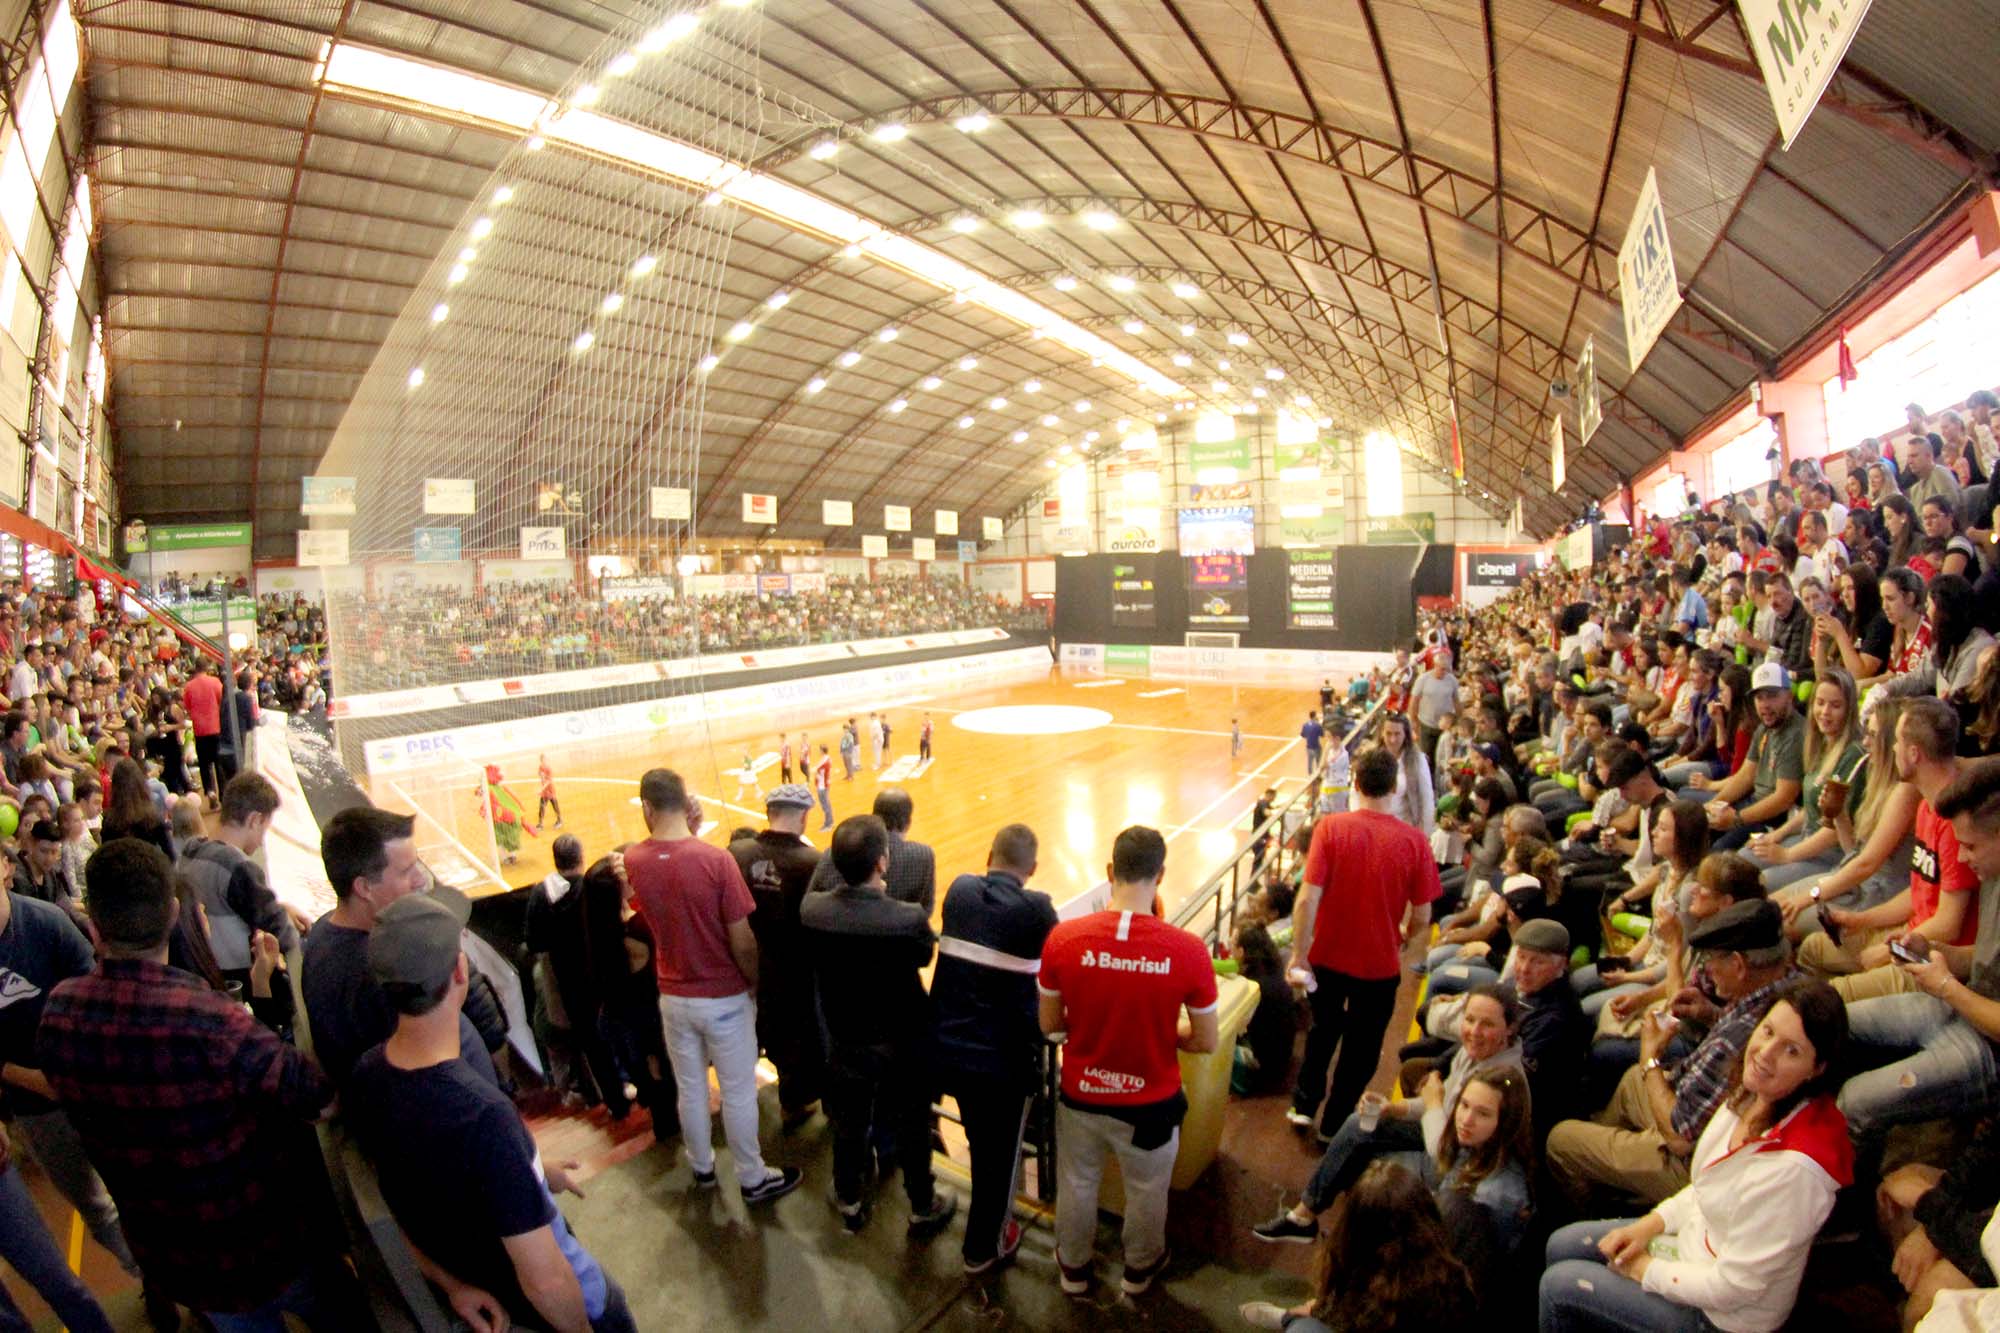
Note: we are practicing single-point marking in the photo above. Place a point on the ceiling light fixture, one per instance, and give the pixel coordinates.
(1020, 437)
(965, 223)
(1032, 386)
(1183, 360)
(417, 377)
(457, 275)
(899, 405)
(622, 65)
(968, 363)
(468, 255)
(1121, 283)
(849, 358)
(1238, 339)
(611, 303)
(997, 404)
(893, 132)
(1082, 406)
(584, 341)
(709, 362)
(814, 385)
(440, 312)
(778, 300)
(587, 95)
(503, 196)
(852, 250)
(644, 265)
(824, 149)
(931, 382)
(888, 335)
(965, 423)
(1187, 291)
(742, 329)
(1052, 421)
(1134, 327)
(660, 38)
(1187, 330)
(1028, 219)
(1098, 219)
(1273, 373)
(972, 124)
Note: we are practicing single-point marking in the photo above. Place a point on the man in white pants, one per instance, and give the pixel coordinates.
(693, 897)
(1116, 981)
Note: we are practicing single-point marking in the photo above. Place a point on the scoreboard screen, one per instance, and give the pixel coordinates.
(1218, 590)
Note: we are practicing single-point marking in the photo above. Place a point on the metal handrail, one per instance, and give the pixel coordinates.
(1210, 894)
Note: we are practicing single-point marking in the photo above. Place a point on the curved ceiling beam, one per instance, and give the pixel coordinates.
(1523, 346)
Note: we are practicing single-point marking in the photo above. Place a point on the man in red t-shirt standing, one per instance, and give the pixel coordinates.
(1116, 982)
(698, 907)
(1368, 889)
(202, 697)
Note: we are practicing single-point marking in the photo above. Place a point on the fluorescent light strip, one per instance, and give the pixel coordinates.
(369, 75)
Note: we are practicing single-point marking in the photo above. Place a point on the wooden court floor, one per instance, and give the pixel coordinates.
(1159, 755)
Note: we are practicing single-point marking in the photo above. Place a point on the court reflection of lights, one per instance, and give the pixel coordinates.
(1215, 845)
(1143, 804)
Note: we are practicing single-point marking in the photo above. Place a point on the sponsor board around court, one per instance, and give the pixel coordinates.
(1173, 659)
(640, 717)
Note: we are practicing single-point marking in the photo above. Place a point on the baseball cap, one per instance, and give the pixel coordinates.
(1543, 935)
(1490, 752)
(791, 794)
(1770, 676)
(1755, 924)
(414, 946)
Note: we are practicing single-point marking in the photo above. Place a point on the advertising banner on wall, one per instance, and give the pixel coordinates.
(432, 546)
(1648, 287)
(672, 502)
(326, 495)
(543, 544)
(1402, 530)
(141, 537)
(1218, 590)
(968, 552)
(1327, 528)
(1230, 531)
(760, 508)
(1219, 493)
(1798, 47)
(1490, 575)
(1132, 605)
(637, 585)
(1309, 582)
(1136, 533)
(1219, 460)
(447, 495)
(322, 546)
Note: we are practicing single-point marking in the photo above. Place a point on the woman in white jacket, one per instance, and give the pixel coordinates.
(1415, 801)
(1728, 1251)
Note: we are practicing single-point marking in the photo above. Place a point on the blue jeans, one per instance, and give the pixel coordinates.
(1580, 1292)
(325, 1298)
(1312, 760)
(1945, 1067)
(1594, 1003)
(1353, 1148)
(26, 1245)
(826, 807)
(1455, 978)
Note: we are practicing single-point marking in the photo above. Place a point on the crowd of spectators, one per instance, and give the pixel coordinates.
(1716, 826)
(448, 635)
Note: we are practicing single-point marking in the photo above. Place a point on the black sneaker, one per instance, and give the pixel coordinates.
(853, 1216)
(1138, 1281)
(705, 1179)
(1010, 1241)
(774, 1186)
(1076, 1282)
(1284, 1227)
(933, 1220)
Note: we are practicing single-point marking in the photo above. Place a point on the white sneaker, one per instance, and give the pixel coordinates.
(1262, 1314)
(1294, 1116)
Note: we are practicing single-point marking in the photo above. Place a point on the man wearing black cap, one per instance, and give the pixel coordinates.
(458, 1168)
(1641, 1142)
(778, 864)
(1553, 1031)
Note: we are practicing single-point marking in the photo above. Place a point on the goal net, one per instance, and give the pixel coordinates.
(453, 834)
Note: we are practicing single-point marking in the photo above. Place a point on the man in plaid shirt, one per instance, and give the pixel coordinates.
(1640, 1144)
(198, 1117)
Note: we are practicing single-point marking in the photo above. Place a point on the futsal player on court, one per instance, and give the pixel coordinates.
(823, 786)
(546, 801)
(784, 758)
(924, 741)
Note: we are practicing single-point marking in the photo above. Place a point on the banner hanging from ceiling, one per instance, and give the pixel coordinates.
(1799, 44)
(1648, 287)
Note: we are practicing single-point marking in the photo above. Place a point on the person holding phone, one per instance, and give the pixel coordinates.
(1806, 844)
(1729, 1250)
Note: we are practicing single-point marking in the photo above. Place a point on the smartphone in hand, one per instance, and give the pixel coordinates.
(1916, 949)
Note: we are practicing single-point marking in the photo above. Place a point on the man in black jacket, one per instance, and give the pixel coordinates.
(778, 865)
(1553, 1032)
(912, 875)
(557, 925)
(868, 952)
(989, 1042)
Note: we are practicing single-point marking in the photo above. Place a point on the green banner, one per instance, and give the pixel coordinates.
(142, 538)
(1214, 455)
(207, 615)
(1402, 530)
(1301, 455)
(1130, 655)
(1327, 529)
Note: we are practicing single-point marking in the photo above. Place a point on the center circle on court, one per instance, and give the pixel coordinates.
(1032, 720)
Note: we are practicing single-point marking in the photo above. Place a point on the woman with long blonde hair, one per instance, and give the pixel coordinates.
(1876, 835)
(1806, 844)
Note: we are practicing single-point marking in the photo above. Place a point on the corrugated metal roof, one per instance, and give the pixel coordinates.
(1253, 151)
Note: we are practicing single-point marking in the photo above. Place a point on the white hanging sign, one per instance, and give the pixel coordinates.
(875, 546)
(947, 522)
(543, 544)
(447, 495)
(322, 546)
(896, 518)
(923, 548)
(1799, 43)
(1589, 407)
(993, 528)
(1648, 287)
(673, 502)
(1558, 472)
(837, 513)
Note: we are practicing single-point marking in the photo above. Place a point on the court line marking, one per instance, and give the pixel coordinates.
(1254, 773)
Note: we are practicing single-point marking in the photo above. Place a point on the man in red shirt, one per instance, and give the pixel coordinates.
(1116, 982)
(202, 697)
(694, 900)
(1942, 902)
(1369, 885)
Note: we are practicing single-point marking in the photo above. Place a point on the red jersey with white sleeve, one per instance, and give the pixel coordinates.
(823, 773)
(1371, 868)
(1123, 978)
